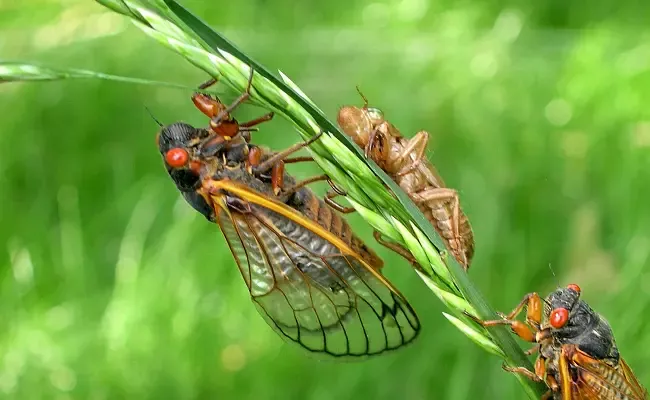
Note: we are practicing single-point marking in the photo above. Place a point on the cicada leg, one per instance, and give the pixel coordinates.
(526, 331)
(522, 371)
(329, 200)
(304, 183)
(537, 376)
(266, 165)
(248, 126)
(225, 111)
(417, 143)
(276, 164)
(220, 120)
(206, 103)
(293, 160)
(532, 350)
(444, 194)
(530, 332)
(397, 248)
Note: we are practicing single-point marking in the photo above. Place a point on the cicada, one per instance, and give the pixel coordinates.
(314, 281)
(578, 357)
(404, 160)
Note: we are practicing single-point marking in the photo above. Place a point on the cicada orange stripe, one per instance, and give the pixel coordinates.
(404, 160)
(578, 357)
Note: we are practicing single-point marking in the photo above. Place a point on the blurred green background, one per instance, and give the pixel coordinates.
(112, 287)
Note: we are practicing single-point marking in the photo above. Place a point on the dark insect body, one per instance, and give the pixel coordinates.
(312, 279)
(578, 357)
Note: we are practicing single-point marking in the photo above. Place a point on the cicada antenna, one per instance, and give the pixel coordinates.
(153, 117)
(557, 281)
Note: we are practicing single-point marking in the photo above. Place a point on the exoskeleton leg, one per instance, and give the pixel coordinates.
(440, 195)
(417, 144)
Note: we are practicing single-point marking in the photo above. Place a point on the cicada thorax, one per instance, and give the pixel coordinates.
(404, 161)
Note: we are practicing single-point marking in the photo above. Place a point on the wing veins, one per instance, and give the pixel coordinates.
(603, 383)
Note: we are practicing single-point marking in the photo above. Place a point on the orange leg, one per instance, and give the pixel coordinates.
(554, 387)
(537, 376)
(532, 350)
(225, 111)
(248, 125)
(304, 183)
(277, 177)
(219, 114)
(298, 159)
(254, 156)
(208, 83)
(522, 371)
(266, 165)
(207, 105)
(533, 317)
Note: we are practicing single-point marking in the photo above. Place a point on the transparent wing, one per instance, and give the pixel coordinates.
(597, 380)
(312, 289)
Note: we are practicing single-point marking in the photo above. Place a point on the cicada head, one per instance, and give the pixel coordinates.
(355, 123)
(177, 145)
(180, 144)
(572, 321)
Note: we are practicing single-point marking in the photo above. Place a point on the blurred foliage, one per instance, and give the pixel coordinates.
(112, 287)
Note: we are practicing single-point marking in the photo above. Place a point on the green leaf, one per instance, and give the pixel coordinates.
(22, 71)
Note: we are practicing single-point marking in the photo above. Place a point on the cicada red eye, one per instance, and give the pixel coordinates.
(558, 317)
(177, 157)
(574, 287)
